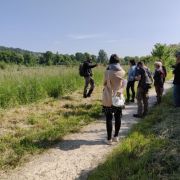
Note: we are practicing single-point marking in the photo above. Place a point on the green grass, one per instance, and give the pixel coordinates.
(151, 150)
(45, 130)
(20, 85)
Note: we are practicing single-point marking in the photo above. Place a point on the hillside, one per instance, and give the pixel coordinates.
(19, 50)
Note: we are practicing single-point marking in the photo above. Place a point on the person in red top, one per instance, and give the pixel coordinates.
(159, 80)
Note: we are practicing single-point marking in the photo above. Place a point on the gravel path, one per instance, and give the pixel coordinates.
(77, 154)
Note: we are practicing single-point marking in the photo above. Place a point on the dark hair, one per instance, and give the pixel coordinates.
(132, 61)
(140, 63)
(114, 59)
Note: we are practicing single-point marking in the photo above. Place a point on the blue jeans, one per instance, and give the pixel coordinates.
(177, 95)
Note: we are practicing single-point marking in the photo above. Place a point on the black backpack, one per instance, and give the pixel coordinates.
(81, 70)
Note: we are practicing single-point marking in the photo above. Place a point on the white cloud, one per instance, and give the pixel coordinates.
(85, 36)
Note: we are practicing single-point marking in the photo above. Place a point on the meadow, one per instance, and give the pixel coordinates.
(22, 85)
(40, 105)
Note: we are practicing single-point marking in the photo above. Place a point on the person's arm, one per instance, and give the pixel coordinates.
(105, 79)
(91, 65)
(138, 75)
(138, 78)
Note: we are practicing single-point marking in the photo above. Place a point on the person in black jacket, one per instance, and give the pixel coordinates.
(87, 66)
(164, 70)
(176, 81)
(143, 75)
(159, 76)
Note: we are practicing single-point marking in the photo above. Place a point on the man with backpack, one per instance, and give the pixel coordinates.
(145, 79)
(85, 70)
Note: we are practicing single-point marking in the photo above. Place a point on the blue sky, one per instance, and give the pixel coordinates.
(125, 27)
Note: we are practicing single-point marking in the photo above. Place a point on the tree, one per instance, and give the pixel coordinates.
(102, 57)
(94, 58)
(162, 52)
(158, 50)
(80, 57)
(29, 59)
(17, 58)
(48, 57)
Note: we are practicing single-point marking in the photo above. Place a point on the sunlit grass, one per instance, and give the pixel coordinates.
(27, 85)
(151, 150)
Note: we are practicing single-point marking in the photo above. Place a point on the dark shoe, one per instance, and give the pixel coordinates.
(84, 96)
(89, 93)
(137, 116)
(132, 100)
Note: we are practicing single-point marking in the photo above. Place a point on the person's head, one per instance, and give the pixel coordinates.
(177, 57)
(140, 64)
(89, 58)
(132, 62)
(157, 64)
(160, 60)
(114, 59)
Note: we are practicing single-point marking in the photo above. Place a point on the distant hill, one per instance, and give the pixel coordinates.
(18, 50)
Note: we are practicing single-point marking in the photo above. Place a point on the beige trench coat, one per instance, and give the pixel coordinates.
(113, 82)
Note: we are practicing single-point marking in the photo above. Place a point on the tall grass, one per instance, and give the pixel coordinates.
(20, 85)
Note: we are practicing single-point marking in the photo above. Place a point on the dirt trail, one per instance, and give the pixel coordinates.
(77, 154)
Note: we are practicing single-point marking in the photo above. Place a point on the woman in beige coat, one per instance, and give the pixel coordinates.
(113, 83)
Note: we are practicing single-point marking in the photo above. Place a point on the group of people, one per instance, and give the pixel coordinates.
(114, 85)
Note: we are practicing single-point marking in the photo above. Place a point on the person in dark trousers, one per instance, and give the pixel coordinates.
(164, 70)
(144, 78)
(87, 66)
(113, 83)
(159, 80)
(176, 82)
(131, 81)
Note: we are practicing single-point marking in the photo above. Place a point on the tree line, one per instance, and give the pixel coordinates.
(28, 58)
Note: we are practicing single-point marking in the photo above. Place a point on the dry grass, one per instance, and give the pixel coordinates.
(32, 128)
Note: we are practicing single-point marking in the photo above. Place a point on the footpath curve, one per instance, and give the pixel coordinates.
(78, 153)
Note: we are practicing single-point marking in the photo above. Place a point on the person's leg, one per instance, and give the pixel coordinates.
(133, 91)
(157, 94)
(139, 101)
(91, 87)
(87, 81)
(127, 91)
(145, 102)
(109, 117)
(117, 116)
(161, 89)
(176, 94)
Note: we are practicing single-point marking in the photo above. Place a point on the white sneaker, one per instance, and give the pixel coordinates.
(109, 142)
(115, 139)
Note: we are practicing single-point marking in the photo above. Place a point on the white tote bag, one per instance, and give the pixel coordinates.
(118, 100)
